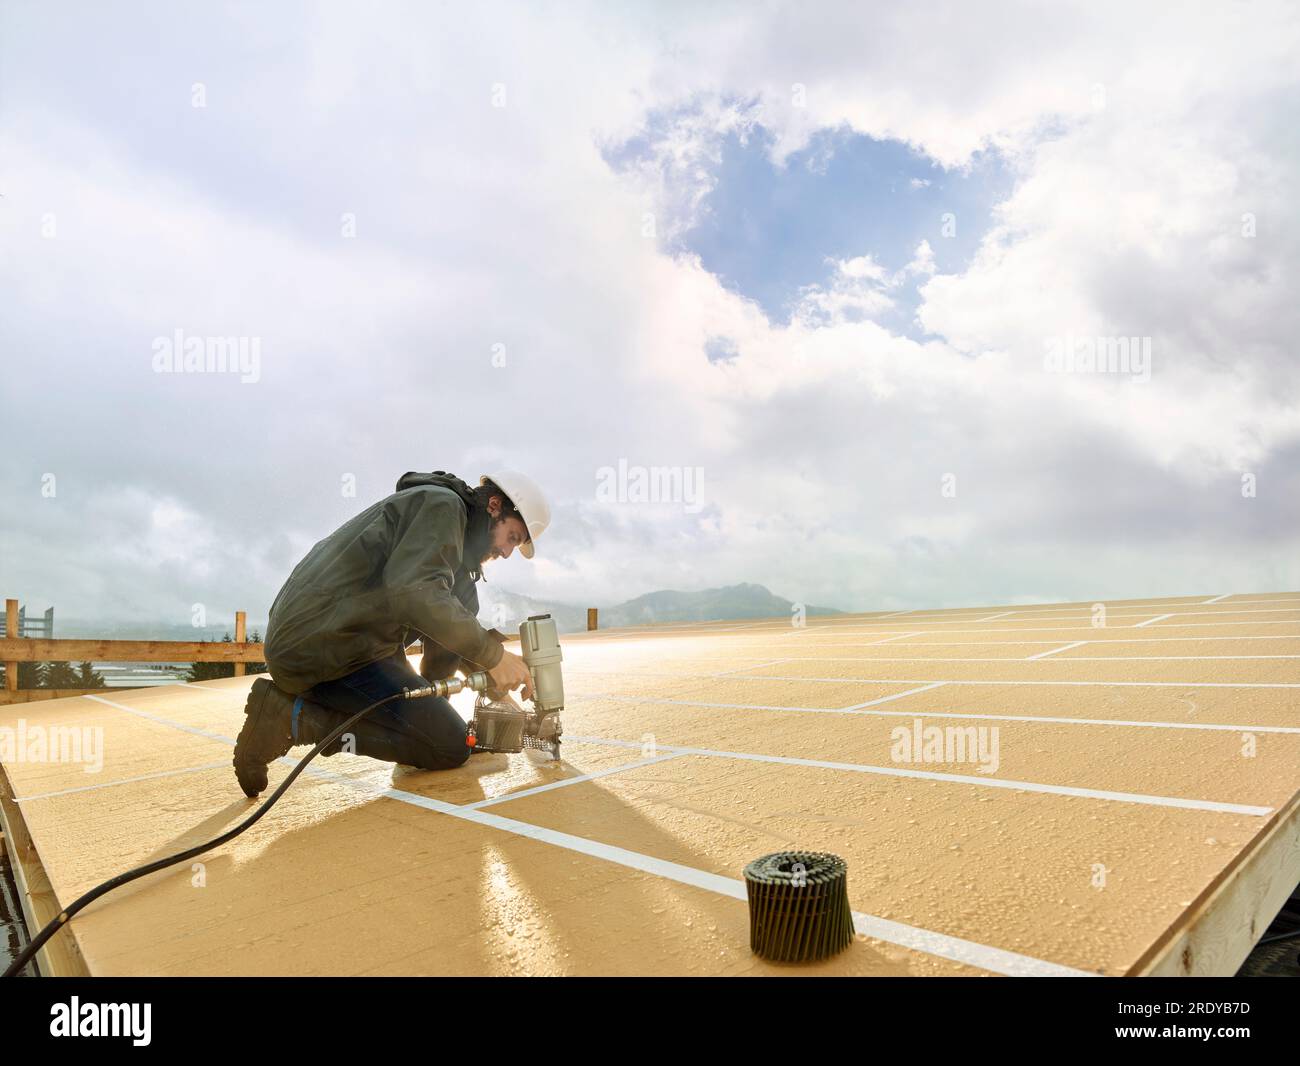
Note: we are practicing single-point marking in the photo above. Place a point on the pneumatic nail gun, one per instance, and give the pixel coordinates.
(500, 724)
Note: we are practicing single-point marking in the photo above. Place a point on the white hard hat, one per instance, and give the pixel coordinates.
(528, 501)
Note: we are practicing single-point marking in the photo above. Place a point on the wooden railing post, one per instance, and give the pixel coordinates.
(591, 618)
(11, 631)
(241, 624)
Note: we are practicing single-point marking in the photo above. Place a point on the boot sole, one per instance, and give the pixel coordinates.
(250, 764)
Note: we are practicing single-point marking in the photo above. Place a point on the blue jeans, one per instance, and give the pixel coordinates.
(425, 732)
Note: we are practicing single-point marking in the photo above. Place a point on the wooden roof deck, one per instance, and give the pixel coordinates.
(1142, 815)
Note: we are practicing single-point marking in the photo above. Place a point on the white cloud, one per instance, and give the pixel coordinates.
(856, 291)
(823, 441)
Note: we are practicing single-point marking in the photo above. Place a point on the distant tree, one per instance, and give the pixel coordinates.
(59, 675)
(89, 677)
(255, 668)
(209, 671)
(56, 675)
(30, 675)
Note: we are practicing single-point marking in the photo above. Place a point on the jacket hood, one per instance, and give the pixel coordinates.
(478, 527)
(411, 479)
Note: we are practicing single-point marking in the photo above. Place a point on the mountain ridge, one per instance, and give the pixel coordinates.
(504, 610)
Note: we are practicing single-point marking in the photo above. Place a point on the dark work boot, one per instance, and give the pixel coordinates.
(265, 737)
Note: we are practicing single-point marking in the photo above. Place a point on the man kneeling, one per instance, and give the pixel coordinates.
(338, 630)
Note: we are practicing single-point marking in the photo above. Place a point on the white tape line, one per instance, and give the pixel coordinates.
(168, 721)
(993, 617)
(1140, 798)
(288, 761)
(759, 666)
(1218, 598)
(1137, 605)
(700, 703)
(985, 957)
(949, 659)
(900, 636)
(1117, 619)
(1122, 684)
(1045, 629)
(794, 631)
(1059, 720)
(985, 643)
(1163, 658)
(895, 636)
(506, 798)
(1053, 720)
(124, 781)
(953, 681)
(1053, 651)
(661, 627)
(895, 696)
(956, 949)
(1122, 639)
(1157, 618)
(1229, 608)
(810, 629)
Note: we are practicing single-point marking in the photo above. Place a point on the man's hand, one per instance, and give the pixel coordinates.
(511, 672)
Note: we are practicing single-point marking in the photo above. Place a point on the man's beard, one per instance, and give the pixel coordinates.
(477, 547)
(491, 552)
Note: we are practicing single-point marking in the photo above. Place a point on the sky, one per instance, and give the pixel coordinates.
(808, 267)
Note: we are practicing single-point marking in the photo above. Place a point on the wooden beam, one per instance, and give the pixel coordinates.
(11, 630)
(1215, 934)
(60, 956)
(591, 618)
(30, 695)
(142, 651)
(241, 636)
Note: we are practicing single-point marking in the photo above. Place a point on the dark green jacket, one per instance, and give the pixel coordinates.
(401, 569)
